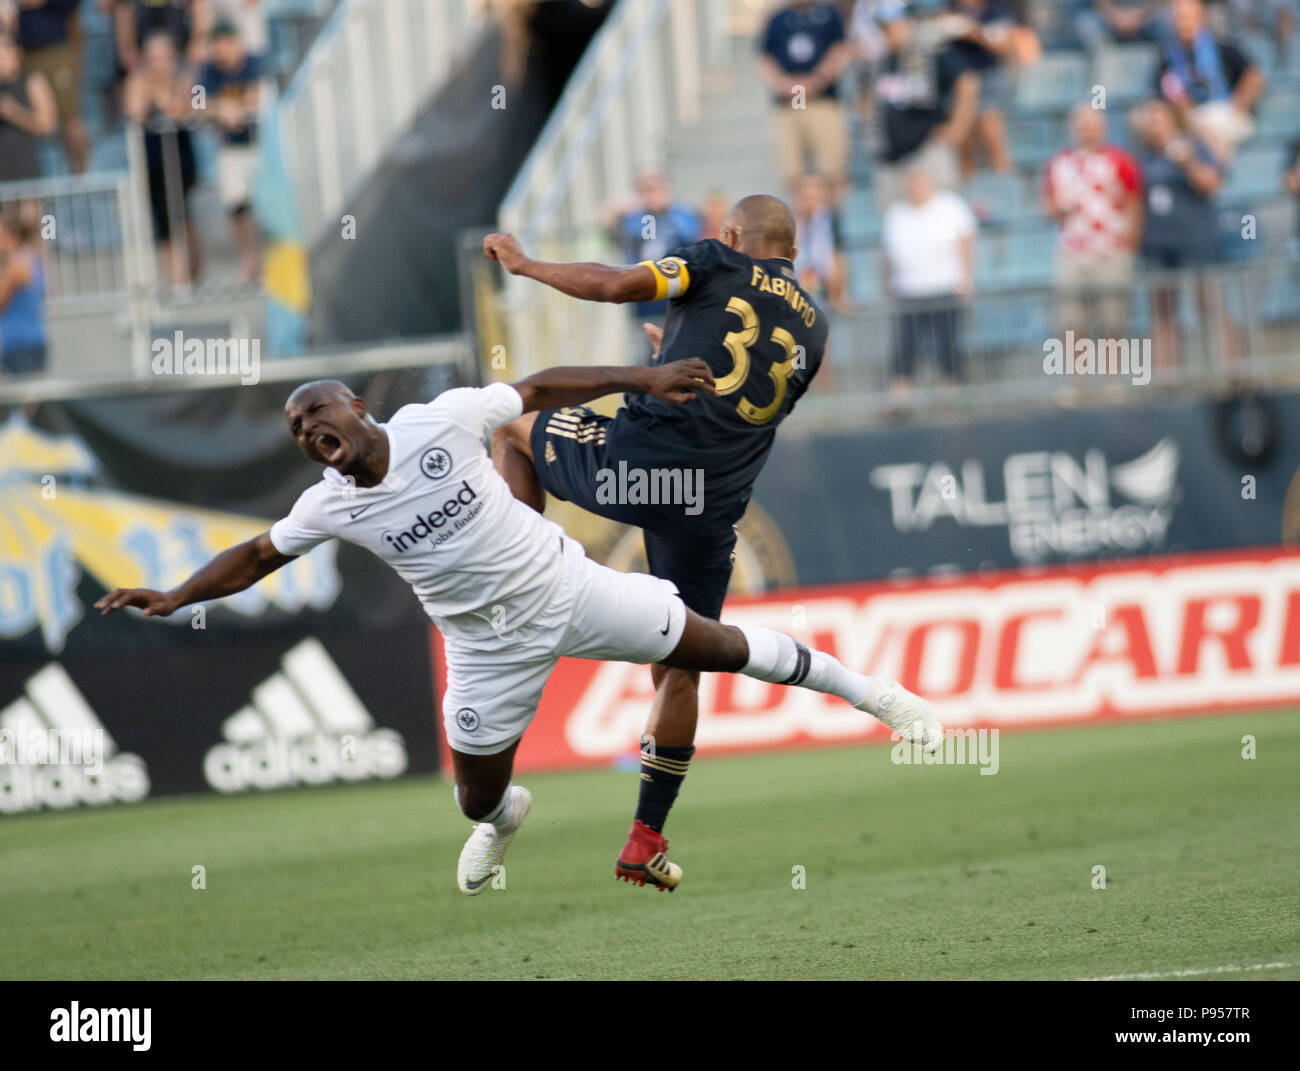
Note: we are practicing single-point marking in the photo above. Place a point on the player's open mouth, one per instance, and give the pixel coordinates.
(330, 447)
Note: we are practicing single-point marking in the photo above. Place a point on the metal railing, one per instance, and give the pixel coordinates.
(638, 80)
(1195, 331)
(95, 246)
(1213, 328)
(446, 358)
(372, 67)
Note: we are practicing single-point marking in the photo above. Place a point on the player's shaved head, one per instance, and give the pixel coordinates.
(318, 388)
(760, 226)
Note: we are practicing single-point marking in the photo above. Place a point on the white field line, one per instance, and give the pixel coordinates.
(1191, 973)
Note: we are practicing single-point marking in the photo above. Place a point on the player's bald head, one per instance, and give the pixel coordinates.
(317, 389)
(763, 226)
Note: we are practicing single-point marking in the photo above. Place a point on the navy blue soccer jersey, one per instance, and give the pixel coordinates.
(762, 337)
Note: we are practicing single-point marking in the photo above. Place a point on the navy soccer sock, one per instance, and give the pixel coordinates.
(662, 771)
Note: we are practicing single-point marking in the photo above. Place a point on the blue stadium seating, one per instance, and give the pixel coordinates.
(1278, 116)
(1256, 173)
(1035, 137)
(859, 217)
(1015, 257)
(1126, 72)
(866, 285)
(1058, 81)
(1000, 198)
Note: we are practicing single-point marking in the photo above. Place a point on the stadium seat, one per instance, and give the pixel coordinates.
(1261, 50)
(865, 284)
(1009, 322)
(1058, 81)
(1256, 174)
(860, 218)
(1019, 256)
(1126, 72)
(999, 198)
(1035, 137)
(1281, 301)
(1277, 116)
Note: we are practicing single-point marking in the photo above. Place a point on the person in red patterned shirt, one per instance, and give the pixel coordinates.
(1095, 191)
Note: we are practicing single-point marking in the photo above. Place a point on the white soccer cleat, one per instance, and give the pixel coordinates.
(486, 847)
(910, 716)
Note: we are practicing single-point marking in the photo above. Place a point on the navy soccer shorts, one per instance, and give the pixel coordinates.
(570, 451)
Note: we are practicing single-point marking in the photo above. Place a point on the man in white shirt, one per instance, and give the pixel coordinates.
(929, 263)
(510, 592)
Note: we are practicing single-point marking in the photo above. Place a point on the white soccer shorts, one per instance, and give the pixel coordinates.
(598, 613)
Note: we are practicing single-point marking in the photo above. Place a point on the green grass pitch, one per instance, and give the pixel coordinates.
(910, 872)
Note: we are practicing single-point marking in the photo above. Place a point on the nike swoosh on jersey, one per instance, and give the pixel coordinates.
(358, 512)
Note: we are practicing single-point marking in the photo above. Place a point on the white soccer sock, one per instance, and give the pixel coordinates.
(500, 816)
(779, 659)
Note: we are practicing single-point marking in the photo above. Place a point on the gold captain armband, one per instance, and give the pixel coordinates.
(671, 277)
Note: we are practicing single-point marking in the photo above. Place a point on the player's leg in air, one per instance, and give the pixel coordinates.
(698, 564)
(629, 617)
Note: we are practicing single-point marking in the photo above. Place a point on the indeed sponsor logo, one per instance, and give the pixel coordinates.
(457, 511)
(651, 487)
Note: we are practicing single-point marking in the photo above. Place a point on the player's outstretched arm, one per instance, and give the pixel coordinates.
(229, 572)
(555, 388)
(588, 281)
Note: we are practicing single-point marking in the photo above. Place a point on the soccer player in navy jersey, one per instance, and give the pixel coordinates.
(736, 304)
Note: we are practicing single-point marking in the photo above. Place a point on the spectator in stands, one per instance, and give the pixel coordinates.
(47, 34)
(1276, 17)
(801, 54)
(651, 226)
(1181, 233)
(187, 23)
(1121, 22)
(22, 296)
(249, 19)
(158, 98)
(929, 265)
(27, 114)
(1211, 82)
(232, 81)
(864, 33)
(985, 45)
(1094, 190)
(927, 102)
(713, 213)
(819, 263)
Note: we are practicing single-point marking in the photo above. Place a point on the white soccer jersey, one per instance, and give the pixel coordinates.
(481, 562)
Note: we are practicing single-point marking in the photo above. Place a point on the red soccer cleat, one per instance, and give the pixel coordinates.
(644, 859)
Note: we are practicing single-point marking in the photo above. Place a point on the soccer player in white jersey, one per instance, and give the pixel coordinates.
(510, 592)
